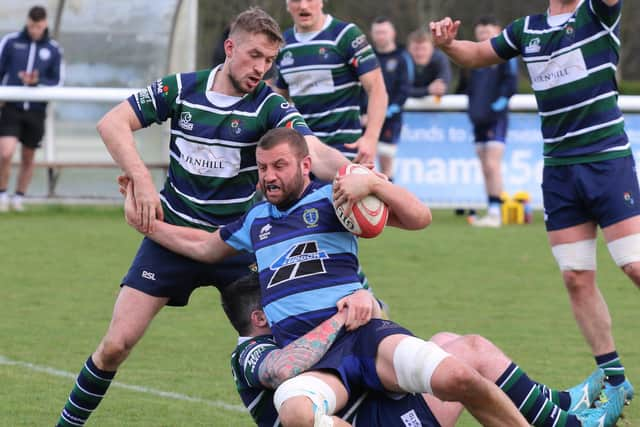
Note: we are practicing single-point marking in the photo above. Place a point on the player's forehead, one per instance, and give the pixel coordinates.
(278, 153)
(258, 42)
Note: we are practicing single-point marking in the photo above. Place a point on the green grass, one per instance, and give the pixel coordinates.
(59, 276)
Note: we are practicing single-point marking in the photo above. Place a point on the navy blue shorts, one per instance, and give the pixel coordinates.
(496, 132)
(26, 125)
(605, 192)
(390, 132)
(381, 410)
(159, 272)
(353, 355)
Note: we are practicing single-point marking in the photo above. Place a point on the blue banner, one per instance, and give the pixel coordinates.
(436, 158)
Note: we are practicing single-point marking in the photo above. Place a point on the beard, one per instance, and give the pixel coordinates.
(290, 192)
(236, 84)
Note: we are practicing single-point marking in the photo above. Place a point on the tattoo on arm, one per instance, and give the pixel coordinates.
(280, 365)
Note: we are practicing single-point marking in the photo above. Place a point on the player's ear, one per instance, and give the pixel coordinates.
(258, 318)
(228, 47)
(306, 165)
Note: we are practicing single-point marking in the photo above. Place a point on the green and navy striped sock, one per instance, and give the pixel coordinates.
(613, 369)
(560, 398)
(531, 401)
(91, 386)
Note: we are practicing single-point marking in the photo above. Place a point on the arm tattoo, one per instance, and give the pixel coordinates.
(280, 365)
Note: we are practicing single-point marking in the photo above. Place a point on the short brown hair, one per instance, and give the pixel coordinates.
(419, 36)
(37, 13)
(255, 20)
(279, 136)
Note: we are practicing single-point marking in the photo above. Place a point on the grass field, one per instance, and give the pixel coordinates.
(60, 267)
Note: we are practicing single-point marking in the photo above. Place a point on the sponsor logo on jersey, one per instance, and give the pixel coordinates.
(359, 41)
(533, 46)
(287, 59)
(311, 217)
(185, 121)
(569, 31)
(148, 275)
(285, 105)
(44, 53)
(143, 97)
(265, 232)
(161, 88)
(300, 260)
(410, 419)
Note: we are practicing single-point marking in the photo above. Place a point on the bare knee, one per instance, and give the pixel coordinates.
(297, 412)
(460, 383)
(579, 281)
(111, 352)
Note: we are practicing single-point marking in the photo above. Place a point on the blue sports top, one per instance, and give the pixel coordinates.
(306, 260)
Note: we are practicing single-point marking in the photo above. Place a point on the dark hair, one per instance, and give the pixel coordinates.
(37, 13)
(239, 300)
(278, 136)
(381, 20)
(255, 20)
(486, 20)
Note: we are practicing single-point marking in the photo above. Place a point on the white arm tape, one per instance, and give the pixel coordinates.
(576, 256)
(415, 361)
(625, 250)
(320, 393)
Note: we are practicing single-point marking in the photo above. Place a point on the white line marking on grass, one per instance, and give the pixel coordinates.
(140, 389)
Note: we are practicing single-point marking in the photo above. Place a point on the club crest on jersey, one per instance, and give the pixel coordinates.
(44, 53)
(185, 121)
(311, 217)
(533, 46)
(628, 199)
(235, 125)
(569, 31)
(323, 52)
(391, 65)
(287, 59)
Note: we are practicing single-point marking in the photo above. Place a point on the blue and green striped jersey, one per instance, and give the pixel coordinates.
(322, 77)
(212, 170)
(572, 69)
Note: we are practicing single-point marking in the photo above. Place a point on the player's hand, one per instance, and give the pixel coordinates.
(437, 87)
(444, 32)
(349, 189)
(148, 206)
(366, 149)
(130, 208)
(360, 306)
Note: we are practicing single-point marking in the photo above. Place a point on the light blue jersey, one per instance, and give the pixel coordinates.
(306, 259)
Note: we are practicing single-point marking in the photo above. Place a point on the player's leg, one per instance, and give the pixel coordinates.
(490, 150)
(157, 277)
(406, 363)
(31, 137)
(310, 400)
(7, 148)
(24, 176)
(386, 157)
(528, 395)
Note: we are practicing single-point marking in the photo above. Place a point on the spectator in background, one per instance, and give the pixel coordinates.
(30, 58)
(431, 73)
(489, 90)
(396, 64)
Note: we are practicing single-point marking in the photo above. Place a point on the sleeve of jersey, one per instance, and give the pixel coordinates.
(507, 43)
(282, 114)
(359, 53)
(251, 359)
(154, 104)
(238, 233)
(605, 13)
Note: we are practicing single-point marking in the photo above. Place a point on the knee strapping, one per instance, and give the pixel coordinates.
(576, 256)
(320, 393)
(625, 250)
(415, 361)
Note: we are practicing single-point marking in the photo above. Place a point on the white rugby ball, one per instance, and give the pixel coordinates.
(368, 216)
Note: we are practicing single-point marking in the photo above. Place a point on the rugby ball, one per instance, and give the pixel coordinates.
(369, 215)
